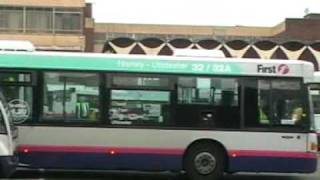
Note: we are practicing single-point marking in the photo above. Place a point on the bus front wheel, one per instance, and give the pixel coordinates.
(204, 162)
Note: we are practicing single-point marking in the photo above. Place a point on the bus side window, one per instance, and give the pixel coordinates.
(251, 109)
(2, 125)
(71, 97)
(207, 102)
(139, 100)
(227, 98)
(17, 88)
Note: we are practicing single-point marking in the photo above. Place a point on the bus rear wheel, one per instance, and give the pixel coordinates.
(204, 162)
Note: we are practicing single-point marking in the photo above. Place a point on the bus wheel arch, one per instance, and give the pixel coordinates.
(208, 150)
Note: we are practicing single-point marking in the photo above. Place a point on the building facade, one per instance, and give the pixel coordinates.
(67, 25)
(58, 25)
(291, 39)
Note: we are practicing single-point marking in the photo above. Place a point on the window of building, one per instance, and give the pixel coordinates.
(71, 97)
(139, 100)
(100, 37)
(31, 19)
(39, 19)
(11, 18)
(68, 21)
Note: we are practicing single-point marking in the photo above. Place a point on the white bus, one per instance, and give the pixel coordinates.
(315, 95)
(8, 136)
(16, 45)
(201, 115)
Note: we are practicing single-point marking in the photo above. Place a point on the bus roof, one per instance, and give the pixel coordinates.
(15, 45)
(156, 64)
(316, 77)
(198, 53)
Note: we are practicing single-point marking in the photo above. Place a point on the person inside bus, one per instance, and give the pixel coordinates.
(289, 111)
(82, 108)
(297, 114)
(279, 110)
(263, 112)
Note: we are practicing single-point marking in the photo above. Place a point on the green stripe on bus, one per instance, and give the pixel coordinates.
(118, 64)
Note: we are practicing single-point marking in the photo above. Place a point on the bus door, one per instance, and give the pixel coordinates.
(277, 110)
(315, 96)
(276, 127)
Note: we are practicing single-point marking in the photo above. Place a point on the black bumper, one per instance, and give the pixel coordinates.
(8, 165)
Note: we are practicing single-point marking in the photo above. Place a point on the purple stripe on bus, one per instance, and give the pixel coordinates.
(75, 157)
(280, 154)
(100, 161)
(164, 151)
(99, 149)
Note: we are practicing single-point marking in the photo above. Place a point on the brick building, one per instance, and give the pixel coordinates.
(67, 25)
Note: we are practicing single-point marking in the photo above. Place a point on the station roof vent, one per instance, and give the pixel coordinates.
(198, 53)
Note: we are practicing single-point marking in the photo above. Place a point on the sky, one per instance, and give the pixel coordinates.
(202, 12)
